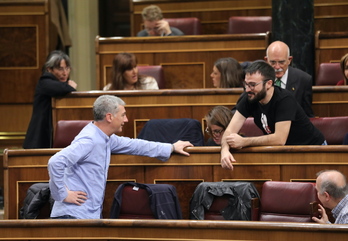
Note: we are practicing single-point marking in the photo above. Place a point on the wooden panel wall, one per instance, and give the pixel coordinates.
(329, 15)
(187, 61)
(330, 47)
(24, 42)
(254, 164)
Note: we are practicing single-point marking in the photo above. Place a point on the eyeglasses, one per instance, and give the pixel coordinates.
(61, 69)
(252, 85)
(214, 132)
(274, 62)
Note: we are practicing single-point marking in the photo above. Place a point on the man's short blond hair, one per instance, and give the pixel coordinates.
(152, 13)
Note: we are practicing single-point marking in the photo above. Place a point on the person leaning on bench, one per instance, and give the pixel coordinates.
(54, 82)
(276, 112)
(78, 173)
(217, 120)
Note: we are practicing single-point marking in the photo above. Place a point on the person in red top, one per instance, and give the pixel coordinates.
(344, 68)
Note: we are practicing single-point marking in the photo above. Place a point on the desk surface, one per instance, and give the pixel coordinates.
(129, 229)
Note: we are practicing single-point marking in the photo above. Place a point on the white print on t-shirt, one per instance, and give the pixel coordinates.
(265, 123)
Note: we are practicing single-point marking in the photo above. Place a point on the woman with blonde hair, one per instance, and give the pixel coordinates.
(125, 75)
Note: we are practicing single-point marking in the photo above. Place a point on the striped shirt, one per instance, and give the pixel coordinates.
(340, 212)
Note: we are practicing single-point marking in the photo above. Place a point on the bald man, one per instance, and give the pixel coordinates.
(298, 82)
(332, 191)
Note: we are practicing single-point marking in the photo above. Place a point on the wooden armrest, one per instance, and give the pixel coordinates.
(255, 208)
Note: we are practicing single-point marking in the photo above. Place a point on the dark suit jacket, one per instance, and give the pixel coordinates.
(300, 84)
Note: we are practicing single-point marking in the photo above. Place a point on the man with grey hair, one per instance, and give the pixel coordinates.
(78, 173)
(298, 82)
(155, 25)
(332, 191)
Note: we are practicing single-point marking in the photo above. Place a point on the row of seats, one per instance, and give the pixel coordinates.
(167, 130)
(334, 129)
(328, 74)
(279, 201)
(236, 24)
(170, 130)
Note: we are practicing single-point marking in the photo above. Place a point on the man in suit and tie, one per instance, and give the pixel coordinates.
(295, 80)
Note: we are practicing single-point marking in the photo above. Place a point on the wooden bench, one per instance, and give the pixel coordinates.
(22, 168)
(187, 61)
(107, 229)
(333, 128)
(142, 105)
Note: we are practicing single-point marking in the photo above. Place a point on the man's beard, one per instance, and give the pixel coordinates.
(259, 96)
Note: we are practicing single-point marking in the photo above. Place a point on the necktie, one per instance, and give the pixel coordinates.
(278, 82)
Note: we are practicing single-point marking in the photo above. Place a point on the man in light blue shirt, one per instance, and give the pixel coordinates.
(78, 173)
(332, 191)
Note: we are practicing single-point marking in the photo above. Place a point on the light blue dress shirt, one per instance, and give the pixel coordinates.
(83, 166)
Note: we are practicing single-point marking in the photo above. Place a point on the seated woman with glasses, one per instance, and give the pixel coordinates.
(54, 82)
(125, 75)
(217, 120)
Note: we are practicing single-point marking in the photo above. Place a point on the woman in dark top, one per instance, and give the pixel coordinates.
(227, 73)
(54, 82)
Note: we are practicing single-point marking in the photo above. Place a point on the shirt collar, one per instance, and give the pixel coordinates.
(284, 79)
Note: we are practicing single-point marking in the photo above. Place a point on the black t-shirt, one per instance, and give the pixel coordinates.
(282, 107)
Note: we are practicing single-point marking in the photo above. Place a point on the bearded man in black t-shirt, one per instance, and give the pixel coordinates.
(276, 112)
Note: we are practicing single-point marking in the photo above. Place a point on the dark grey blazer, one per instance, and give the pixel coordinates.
(300, 84)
